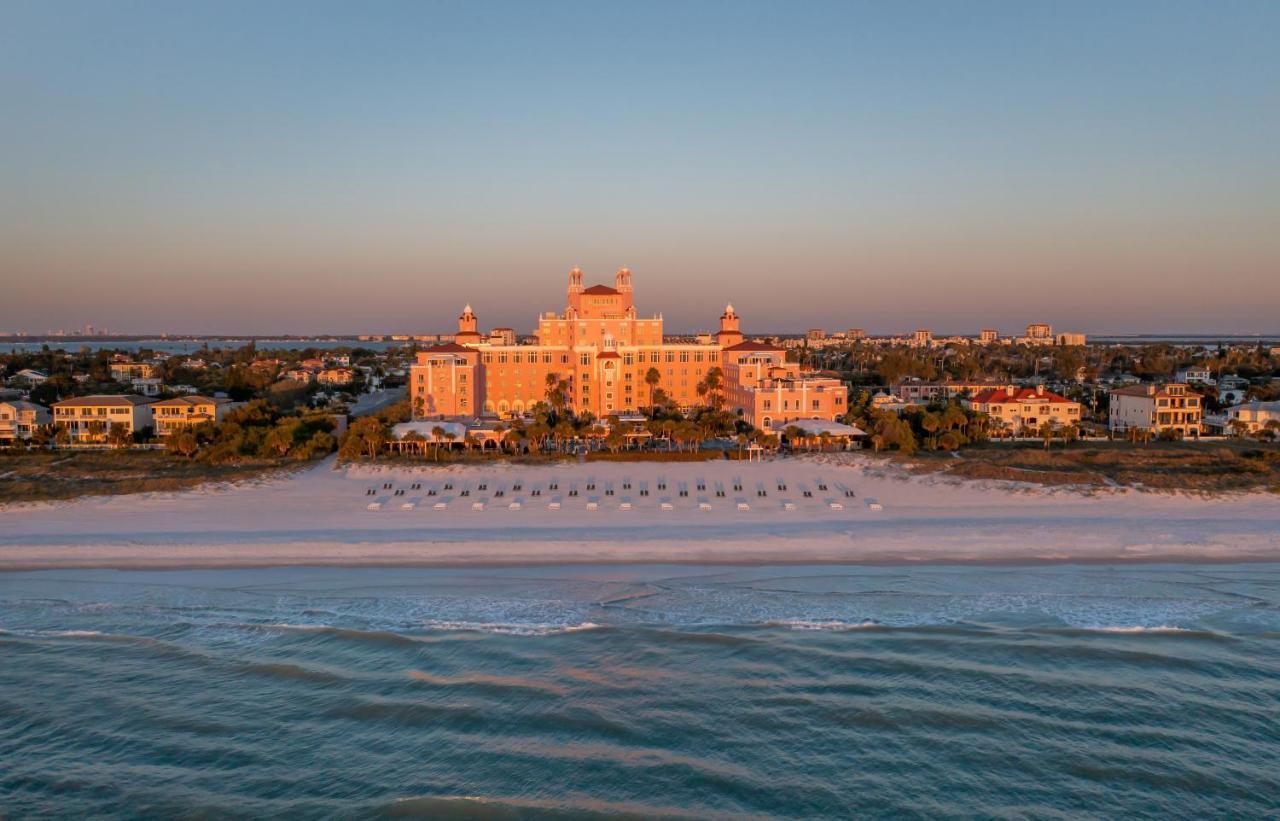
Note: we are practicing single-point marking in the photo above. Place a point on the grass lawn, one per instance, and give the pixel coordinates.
(1196, 466)
(45, 475)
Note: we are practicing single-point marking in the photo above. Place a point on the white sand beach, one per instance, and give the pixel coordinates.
(821, 508)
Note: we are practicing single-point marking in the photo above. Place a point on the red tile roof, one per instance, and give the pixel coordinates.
(449, 347)
(601, 289)
(1019, 395)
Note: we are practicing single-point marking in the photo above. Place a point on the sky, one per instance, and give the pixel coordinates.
(337, 167)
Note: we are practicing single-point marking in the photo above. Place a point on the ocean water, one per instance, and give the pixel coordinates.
(642, 691)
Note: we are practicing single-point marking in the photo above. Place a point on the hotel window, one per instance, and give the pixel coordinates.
(515, 359)
(697, 356)
(684, 356)
(815, 404)
(711, 356)
(584, 359)
(564, 359)
(502, 359)
(768, 404)
(546, 359)
(628, 359)
(488, 359)
(671, 357)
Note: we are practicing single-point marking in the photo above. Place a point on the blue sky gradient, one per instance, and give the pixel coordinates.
(338, 167)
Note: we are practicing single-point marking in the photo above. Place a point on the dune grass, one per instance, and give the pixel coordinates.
(1185, 466)
(35, 476)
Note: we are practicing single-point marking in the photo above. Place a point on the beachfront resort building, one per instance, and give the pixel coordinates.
(1021, 411)
(1156, 408)
(181, 412)
(88, 419)
(20, 420)
(611, 360)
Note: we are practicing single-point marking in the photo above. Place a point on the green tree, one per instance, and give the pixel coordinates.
(652, 378)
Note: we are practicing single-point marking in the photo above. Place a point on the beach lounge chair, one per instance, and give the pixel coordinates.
(624, 506)
(554, 486)
(441, 505)
(573, 491)
(375, 506)
(537, 492)
(513, 506)
(626, 485)
(608, 491)
(808, 494)
(553, 505)
(593, 505)
(500, 493)
(465, 493)
(872, 504)
(448, 485)
(837, 506)
(591, 485)
(849, 493)
(702, 485)
(483, 486)
(704, 506)
(516, 487)
(408, 506)
(743, 506)
(477, 505)
(781, 486)
(788, 506)
(667, 506)
(662, 485)
(821, 486)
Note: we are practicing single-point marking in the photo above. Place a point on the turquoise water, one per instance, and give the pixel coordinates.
(1036, 691)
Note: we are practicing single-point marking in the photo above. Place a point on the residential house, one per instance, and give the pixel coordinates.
(88, 418)
(173, 415)
(335, 376)
(128, 371)
(1249, 417)
(1021, 410)
(1157, 408)
(21, 420)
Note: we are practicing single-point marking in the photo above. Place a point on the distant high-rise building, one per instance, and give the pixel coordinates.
(1040, 331)
(988, 336)
(921, 338)
(815, 334)
(855, 333)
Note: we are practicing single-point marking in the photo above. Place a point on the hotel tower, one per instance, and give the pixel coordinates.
(602, 349)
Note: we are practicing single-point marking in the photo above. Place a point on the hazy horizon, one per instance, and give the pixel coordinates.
(297, 168)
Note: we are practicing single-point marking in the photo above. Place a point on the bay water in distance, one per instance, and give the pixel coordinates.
(642, 691)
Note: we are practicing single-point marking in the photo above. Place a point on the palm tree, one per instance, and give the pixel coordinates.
(794, 434)
(416, 441)
(651, 378)
(437, 436)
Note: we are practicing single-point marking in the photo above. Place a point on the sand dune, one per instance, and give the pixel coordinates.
(707, 512)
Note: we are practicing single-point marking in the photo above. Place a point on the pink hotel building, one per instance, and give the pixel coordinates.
(603, 349)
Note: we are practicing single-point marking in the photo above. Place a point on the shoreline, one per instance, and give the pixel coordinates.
(321, 517)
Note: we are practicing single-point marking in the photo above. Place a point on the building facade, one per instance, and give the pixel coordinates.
(20, 420)
(1249, 417)
(179, 413)
(600, 354)
(1156, 408)
(88, 418)
(1023, 410)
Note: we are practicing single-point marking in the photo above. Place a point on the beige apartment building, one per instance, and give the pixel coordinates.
(181, 412)
(88, 418)
(1157, 408)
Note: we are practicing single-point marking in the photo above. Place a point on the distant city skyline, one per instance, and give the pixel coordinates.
(248, 168)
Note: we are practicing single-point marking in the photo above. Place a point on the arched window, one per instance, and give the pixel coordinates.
(766, 422)
(502, 406)
(488, 406)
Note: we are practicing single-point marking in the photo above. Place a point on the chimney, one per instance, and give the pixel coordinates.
(1009, 390)
(1039, 390)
